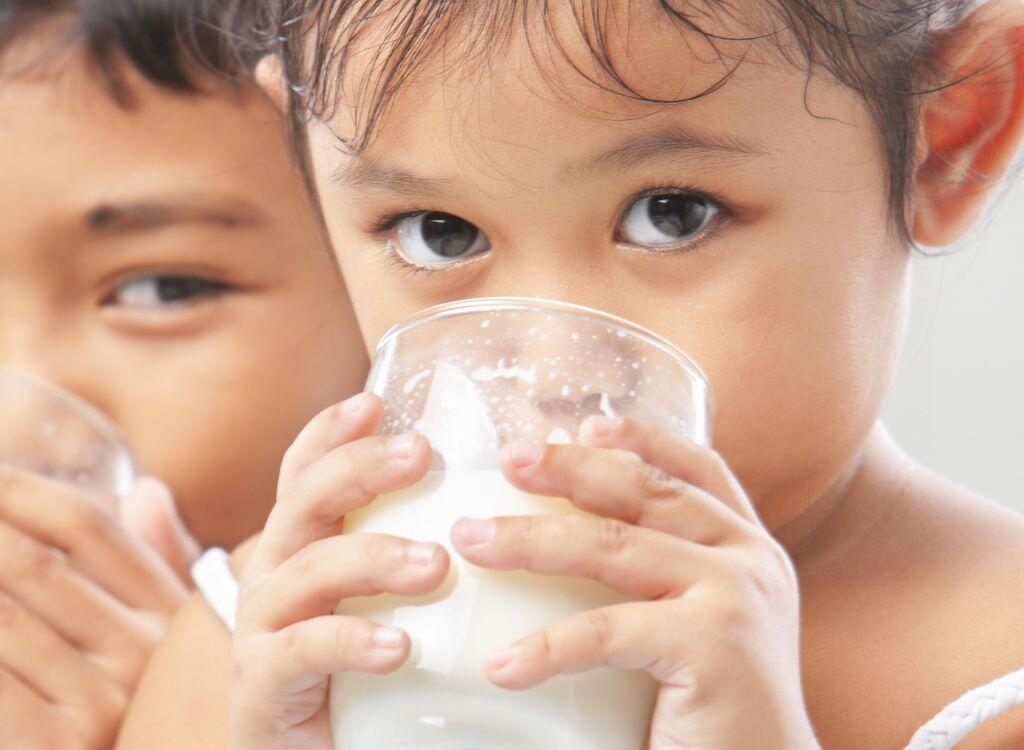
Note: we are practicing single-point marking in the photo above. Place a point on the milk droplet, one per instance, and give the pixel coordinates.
(415, 380)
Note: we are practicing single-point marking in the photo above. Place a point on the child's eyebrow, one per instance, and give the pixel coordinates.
(673, 140)
(368, 174)
(149, 215)
(363, 173)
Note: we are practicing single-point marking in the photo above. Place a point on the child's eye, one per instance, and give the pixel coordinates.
(434, 239)
(163, 291)
(665, 220)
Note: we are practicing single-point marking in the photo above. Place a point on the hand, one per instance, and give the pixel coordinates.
(83, 603)
(150, 514)
(288, 641)
(716, 622)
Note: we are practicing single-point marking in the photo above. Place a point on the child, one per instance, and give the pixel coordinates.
(158, 258)
(748, 179)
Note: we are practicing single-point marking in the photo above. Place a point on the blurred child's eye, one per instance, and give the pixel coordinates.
(666, 219)
(434, 239)
(163, 291)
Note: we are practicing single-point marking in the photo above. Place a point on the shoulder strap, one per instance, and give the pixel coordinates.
(968, 712)
(215, 580)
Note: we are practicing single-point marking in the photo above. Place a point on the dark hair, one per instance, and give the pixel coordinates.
(170, 42)
(884, 50)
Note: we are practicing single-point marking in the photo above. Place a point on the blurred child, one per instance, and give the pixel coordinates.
(159, 258)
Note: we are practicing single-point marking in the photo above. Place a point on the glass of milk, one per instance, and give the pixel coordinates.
(472, 376)
(48, 431)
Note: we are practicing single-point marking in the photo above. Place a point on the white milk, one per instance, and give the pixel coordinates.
(441, 700)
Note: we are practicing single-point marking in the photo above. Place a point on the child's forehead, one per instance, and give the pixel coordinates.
(543, 93)
(521, 121)
(619, 69)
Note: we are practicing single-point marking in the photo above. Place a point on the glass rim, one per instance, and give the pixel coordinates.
(75, 403)
(537, 304)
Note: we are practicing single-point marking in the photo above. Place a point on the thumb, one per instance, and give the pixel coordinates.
(149, 512)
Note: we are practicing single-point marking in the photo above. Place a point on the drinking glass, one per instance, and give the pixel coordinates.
(48, 431)
(472, 376)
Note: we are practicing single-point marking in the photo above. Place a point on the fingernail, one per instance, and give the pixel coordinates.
(422, 553)
(604, 426)
(525, 454)
(388, 637)
(501, 657)
(401, 446)
(355, 404)
(475, 530)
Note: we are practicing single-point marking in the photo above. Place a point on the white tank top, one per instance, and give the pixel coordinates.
(216, 582)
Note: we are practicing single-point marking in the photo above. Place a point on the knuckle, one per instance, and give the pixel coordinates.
(381, 555)
(599, 625)
(29, 559)
(753, 581)
(613, 535)
(770, 567)
(342, 640)
(303, 565)
(289, 643)
(727, 618)
(89, 521)
(542, 647)
(521, 531)
(654, 484)
(321, 509)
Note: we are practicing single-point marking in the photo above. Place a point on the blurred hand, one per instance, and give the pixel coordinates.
(84, 599)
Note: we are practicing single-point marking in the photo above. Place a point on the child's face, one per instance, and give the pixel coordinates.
(791, 298)
(162, 263)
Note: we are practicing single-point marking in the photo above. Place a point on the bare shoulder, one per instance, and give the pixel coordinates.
(929, 606)
(985, 606)
(182, 699)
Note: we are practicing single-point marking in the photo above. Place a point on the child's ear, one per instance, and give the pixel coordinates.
(972, 130)
(271, 79)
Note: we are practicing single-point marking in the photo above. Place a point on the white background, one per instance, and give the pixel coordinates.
(957, 403)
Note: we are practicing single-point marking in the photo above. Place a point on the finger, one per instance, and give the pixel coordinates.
(336, 425)
(149, 512)
(77, 609)
(617, 484)
(48, 664)
(312, 582)
(674, 454)
(636, 635)
(24, 715)
(346, 479)
(300, 657)
(636, 561)
(95, 543)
